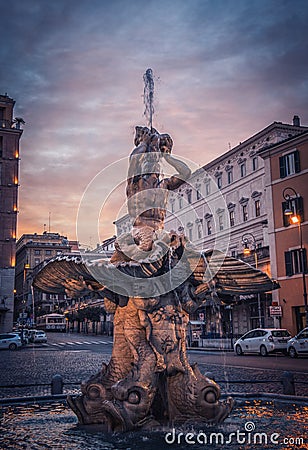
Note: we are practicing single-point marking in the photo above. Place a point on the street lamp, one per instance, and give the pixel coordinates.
(249, 240)
(296, 219)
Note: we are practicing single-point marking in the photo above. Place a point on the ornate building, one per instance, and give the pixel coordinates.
(10, 134)
(224, 206)
(286, 180)
(32, 250)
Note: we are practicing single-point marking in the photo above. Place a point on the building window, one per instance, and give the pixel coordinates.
(47, 252)
(198, 193)
(209, 227)
(208, 188)
(232, 218)
(190, 233)
(255, 163)
(230, 176)
(245, 213)
(219, 182)
(172, 206)
(289, 164)
(37, 261)
(233, 253)
(189, 196)
(180, 202)
(243, 169)
(199, 230)
(37, 252)
(221, 222)
(297, 206)
(293, 262)
(257, 208)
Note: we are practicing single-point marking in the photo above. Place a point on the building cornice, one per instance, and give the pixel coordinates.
(273, 149)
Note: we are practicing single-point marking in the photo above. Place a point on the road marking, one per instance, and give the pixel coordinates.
(62, 344)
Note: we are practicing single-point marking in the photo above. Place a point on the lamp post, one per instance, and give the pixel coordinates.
(296, 219)
(248, 240)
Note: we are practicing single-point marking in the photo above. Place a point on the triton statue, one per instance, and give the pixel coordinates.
(153, 281)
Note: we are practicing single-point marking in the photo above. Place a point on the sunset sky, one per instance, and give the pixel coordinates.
(223, 71)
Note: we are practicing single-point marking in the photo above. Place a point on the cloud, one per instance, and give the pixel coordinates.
(224, 70)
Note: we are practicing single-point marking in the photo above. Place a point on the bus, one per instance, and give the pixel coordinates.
(51, 322)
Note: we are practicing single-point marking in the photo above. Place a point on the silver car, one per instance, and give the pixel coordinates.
(263, 341)
(11, 341)
(298, 345)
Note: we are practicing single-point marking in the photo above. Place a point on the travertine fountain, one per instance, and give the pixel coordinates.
(153, 281)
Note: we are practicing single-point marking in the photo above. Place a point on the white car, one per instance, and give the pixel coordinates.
(263, 341)
(11, 341)
(39, 336)
(298, 345)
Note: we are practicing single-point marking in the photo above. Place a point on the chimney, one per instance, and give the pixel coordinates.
(296, 121)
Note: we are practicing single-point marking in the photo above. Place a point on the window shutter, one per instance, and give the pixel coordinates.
(282, 164)
(297, 161)
(305, 260)
(300, 208)
(288, 262)
(286, 221)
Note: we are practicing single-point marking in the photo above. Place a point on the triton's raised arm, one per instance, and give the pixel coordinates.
(182, 175)
(183, 171)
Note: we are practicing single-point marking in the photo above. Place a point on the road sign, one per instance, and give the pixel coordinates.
(275, 310)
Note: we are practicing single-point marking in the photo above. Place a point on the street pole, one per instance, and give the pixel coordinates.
(303, 270)
(295, 218)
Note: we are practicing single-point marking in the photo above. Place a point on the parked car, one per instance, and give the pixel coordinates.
(39, 336)
(263, 341)
(298, 345)
(31, 333)
(11, 341)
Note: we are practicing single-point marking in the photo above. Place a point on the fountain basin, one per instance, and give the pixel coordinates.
(254, 423)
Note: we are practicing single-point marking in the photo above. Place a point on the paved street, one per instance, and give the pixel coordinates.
(78, 356)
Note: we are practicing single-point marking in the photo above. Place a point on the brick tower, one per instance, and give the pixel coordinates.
(10, 134)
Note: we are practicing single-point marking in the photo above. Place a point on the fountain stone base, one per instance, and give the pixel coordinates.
(148, 382)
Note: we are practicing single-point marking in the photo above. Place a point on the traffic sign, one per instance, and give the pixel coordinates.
(275, 310)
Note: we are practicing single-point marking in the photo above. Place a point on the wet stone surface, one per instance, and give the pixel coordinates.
(54, 426)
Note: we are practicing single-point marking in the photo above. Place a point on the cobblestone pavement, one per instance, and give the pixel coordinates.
(76, 362)
(225, 375)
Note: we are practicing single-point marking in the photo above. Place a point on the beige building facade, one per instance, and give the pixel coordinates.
(32, 250)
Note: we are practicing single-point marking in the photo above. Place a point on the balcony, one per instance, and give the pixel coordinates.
(11, 124)
(6, 123)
